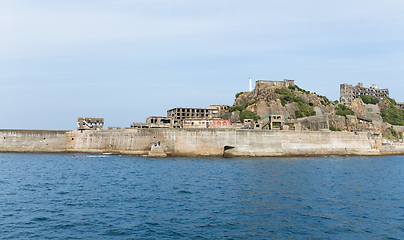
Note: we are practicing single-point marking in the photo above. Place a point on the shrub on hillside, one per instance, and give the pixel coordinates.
(332, 128)
(304, 108)
(393, 132)
(238, 94)
(342, 110)
(393, 115)
(241, 107)
(246, 114)
(369, 100)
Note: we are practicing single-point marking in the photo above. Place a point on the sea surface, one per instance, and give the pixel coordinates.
(61, 196)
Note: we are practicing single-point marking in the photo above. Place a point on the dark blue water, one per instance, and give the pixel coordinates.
(57, 196)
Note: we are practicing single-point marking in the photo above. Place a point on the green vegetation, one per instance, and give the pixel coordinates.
(299, 114)
(304, 108)
(241, 107)
(393, 132)
(325, 101)
(294, 87)
(246, 114)
(393, 115)
(369, 100)
(392, 101)
(238, 94)
(342, 110)
(332, 128)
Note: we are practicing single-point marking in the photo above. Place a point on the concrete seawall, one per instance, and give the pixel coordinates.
(32, 141)
(196, 142)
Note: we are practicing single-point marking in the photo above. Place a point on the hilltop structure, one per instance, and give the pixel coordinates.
(265, 83)
(348, 92)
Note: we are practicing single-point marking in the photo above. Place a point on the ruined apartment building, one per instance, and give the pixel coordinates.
(220, 109)
(90, 123)
(158, 122)
(349, 92)
(274, 84)
(180, 113)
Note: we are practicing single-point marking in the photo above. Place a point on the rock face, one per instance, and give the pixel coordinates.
(317, 123)
(268, 102)
(264, 101)
(383, 104)
(231, 116)
(366, 111)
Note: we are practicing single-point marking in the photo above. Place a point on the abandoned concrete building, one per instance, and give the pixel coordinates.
(180, 113)
(348, 92)
(90, 123)
(158, 122)
(401, 105)
(275, 122)
(218, 110)
(265, 83)
(206, 123)
(248, 123)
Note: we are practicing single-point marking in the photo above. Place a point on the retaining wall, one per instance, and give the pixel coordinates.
(194, 142)
(32, 141)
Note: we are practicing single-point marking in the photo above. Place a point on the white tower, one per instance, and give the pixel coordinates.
(250, 85)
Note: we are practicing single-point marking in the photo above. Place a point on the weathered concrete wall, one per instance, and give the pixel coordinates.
(32, 141)
(197, 142)
(212, 142)
(393, 148)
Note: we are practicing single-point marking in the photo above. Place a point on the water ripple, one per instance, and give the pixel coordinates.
(57, 196)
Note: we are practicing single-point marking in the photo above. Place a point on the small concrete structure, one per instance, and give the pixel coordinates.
(158, 122)
(276, 121)
(156, 151)
(248, 124)
(401, 105)
(277, 84)
(218, 110)
(90, 123)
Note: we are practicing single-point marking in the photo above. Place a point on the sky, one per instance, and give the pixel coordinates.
(126, 60)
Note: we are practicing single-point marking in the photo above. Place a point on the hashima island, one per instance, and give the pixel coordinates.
(276, 118)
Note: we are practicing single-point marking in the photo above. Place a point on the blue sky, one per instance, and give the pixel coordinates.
(126, 60)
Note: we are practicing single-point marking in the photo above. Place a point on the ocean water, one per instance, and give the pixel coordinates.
(61, 196)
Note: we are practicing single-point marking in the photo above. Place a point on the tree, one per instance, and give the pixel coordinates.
(342, 110)
(246, 114)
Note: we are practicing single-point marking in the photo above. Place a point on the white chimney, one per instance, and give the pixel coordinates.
(250, 85)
